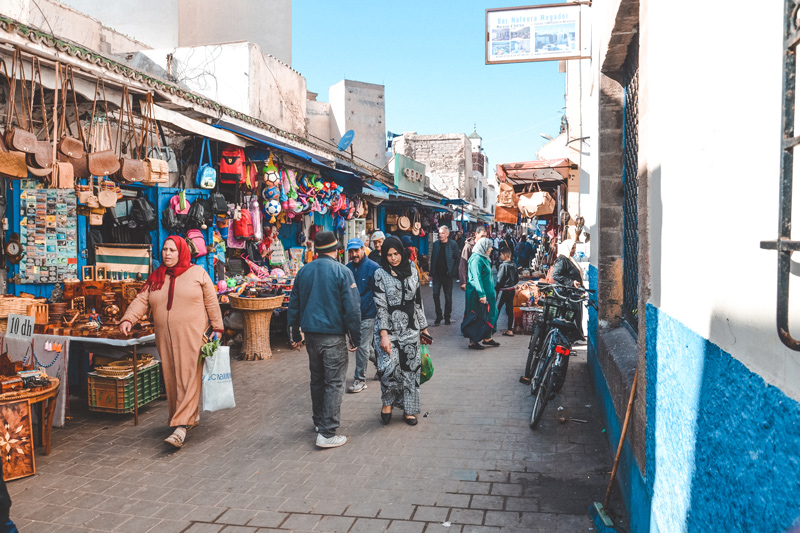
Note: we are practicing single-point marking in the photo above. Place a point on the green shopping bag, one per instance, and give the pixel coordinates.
(427, 364)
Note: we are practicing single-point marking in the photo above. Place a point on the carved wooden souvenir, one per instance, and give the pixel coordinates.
(16, 440)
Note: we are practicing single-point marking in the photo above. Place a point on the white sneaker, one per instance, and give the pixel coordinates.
(357, 386)
(331, 442)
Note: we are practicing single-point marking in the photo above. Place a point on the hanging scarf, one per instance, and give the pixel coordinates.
(401, 271)
(156, 280)
(482, 247)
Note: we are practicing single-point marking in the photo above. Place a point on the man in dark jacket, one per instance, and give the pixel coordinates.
(325, 304)
(444, 269)
(363, 270)
(465, 253)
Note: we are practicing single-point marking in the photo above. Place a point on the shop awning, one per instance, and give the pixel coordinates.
(528, 171)
(268, 141)
(190, 125)
(421, 202)
(346, 179)
(454, 201)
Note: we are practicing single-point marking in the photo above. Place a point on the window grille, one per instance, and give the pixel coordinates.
(630, 186)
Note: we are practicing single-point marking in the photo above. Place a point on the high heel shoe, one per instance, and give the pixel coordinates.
(386, 417)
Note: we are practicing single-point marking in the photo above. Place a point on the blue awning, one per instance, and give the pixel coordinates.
(454, 201)
(345, 178)
(266, 141)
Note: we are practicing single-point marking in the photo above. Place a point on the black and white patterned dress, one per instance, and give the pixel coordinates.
(400, 312)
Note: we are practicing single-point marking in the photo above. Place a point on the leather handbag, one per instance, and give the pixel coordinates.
(96, 216)
(40, 161)
(476, 326)
(63, 176)
(101, 162)
(506, 196)
(68, 146)
(131, 170)
(18, 137)
(536, 204)
(92, 200)
(508, 215)
(12, 163)
(107, 194)
(156, 170)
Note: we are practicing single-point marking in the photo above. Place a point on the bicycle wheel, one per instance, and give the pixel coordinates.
(542, 395)
(537, 358)
(560, 376)
(533, 359)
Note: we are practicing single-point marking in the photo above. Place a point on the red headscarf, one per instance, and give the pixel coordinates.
(156, 280)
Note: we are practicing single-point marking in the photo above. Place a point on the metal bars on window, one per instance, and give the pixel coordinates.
(630, 187)
(784, 243)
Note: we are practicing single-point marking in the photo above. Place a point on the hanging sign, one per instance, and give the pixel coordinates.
(533, 33)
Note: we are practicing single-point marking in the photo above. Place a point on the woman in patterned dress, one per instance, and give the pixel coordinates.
(400, 320)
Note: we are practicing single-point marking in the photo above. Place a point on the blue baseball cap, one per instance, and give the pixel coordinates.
(354, 244)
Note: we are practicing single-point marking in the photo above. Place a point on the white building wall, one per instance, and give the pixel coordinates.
(360, 107)
(448, 160)
(189, 23)
(240, 76)
(722, 177)
(71, 24)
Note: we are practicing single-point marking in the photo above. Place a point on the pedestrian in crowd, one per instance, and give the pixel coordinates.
(507, 279)
(567, 271)
(466, 252)
(326, 306)
(444, 269)
(480, 289)
(413, 253)
(400, 320)
(363, 270)
(183, 300)
(6, 525)
(460, 240)
(377, 241)
(524, 252)
(494, 255)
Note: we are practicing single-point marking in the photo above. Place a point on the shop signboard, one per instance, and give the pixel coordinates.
(533, 33)
(409, 175)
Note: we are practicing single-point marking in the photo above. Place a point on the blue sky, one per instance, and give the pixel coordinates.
(430, 57)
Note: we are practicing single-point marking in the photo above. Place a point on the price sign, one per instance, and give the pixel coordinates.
(19, 327)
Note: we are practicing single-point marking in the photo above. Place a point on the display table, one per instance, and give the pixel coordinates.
(257, 315)
(46, 398)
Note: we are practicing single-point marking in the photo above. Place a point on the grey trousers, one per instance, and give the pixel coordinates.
(365, 349)
(327, 360)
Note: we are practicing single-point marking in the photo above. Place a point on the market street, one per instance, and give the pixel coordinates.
(472, 461)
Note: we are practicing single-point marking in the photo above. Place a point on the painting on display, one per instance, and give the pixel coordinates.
(16, 440)
(48, 235)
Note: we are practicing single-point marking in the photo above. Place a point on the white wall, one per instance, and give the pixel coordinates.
(712, 137)
(240, 76)
(188, 23)
(360, 107)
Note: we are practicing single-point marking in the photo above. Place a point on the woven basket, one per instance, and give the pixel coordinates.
(256, 304)
(16, 305)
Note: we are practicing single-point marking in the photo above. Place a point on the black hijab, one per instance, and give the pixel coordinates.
(401, 271)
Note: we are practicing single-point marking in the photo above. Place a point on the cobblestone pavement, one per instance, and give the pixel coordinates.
(470, 465)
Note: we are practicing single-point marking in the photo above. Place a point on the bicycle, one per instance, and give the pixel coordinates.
(562, 313)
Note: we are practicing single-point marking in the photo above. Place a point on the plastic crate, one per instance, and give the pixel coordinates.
(115, 395)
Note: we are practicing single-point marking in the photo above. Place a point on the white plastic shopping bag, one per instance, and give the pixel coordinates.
(217, 383)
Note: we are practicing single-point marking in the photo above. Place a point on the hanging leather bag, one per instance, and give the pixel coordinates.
(506, 196)
(416, 227)
(19, 137)
(70, 149)
(102, 162)
(155, 170)
(12, 163)
(62, 176)
(40, 161)
(92, 200)
(131, 170)
(107, 195)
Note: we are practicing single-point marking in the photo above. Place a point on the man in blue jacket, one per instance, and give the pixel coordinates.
(325, 306)
(363, 270)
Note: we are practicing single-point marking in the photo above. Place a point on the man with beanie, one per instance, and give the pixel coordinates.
(377, 241)
(325, 306)
(363, 270)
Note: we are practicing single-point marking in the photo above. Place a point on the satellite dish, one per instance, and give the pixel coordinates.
(347, 138)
